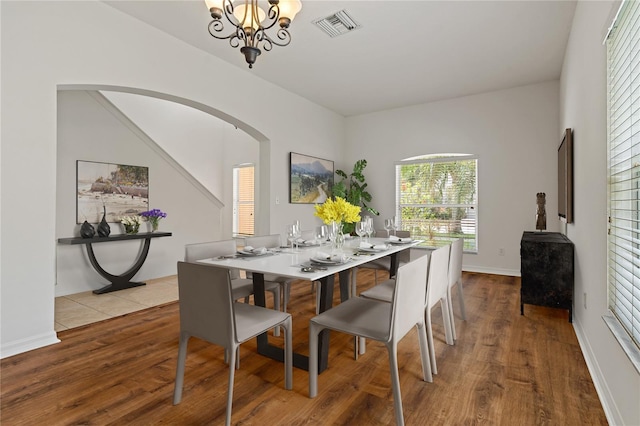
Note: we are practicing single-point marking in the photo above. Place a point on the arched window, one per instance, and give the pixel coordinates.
(437, 199)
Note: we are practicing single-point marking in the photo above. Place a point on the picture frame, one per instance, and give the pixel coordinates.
(115, 190)
(565, 177)
(310, 179)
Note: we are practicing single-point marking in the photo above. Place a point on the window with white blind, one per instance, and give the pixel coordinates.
(437, 199)
(243, 199)
(623, 57)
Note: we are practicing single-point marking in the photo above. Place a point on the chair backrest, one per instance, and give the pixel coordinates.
(455, 262)
(409, 295)
(438, 281)
(206, 305)
(268, 241)
(198, 251)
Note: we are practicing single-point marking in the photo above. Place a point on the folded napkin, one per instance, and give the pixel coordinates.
(259, 250)
(369, 246)
(401, 240)
(340, 258)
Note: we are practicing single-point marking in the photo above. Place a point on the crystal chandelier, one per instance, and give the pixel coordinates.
(251, 22)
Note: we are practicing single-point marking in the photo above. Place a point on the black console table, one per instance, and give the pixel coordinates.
(118, 282)
(546, 266)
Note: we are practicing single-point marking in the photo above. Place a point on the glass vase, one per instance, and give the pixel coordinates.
(338, 239)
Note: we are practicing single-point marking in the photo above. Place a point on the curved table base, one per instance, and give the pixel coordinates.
(119, 282)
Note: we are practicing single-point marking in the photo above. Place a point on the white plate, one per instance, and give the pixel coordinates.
(250, 253)
(372, 250)
(399, 242)
(327, 261)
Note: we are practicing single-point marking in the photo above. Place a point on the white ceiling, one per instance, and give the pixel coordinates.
(406, 53)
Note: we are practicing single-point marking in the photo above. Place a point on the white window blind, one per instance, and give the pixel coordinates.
(623, 57)
(437, 199)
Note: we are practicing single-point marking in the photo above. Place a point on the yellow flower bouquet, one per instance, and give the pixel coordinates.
(337, 210)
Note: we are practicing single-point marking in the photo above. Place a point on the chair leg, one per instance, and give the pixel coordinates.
(354, 284)
(285, 288)
(288, 354)
(432, 349)
(182, 356)
(446, 319)
(425, 357)
(313, 359)
(452, 320)
(232, 373)
(395, 382)
(276, 306)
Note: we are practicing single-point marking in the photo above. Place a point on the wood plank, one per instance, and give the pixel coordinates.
(504, 369)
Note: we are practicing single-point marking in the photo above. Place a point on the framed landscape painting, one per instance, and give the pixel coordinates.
(120, 189)
(310, 179)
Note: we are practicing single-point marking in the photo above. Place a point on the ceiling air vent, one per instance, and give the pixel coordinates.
(337, 24)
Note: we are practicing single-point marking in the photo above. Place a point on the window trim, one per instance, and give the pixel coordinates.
(629, 344)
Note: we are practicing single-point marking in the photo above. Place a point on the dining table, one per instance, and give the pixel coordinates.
(310, 262)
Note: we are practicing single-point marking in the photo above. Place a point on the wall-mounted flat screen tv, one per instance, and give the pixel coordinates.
(565, 177)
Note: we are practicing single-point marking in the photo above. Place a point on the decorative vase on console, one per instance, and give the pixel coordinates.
(87, 230)
(131, 224)
(103, 228)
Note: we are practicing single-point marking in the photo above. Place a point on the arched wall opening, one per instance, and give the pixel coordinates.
(187, 219)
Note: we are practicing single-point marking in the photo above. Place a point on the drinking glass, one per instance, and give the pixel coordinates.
(297, 232)
(388, 226)
(291, 234)
(322, 233)
(361, 229)
(369, 227)
(396, 224)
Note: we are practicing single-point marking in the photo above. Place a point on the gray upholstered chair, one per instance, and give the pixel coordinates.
(437, 286)
(377, 320)
(271, 281)
(455, 278)
(242, 287)
(384, 263)
(438, 291)
(208, 312)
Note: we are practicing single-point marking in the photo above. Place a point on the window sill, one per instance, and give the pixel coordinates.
(620, 334)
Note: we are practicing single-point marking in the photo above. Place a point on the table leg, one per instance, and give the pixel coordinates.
(326, 301)
(119, 282)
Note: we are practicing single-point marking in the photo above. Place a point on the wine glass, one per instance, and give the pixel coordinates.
(361, 229)
(291, 234)
(321, 234)
(369, 227)
(297, 232)
(388, 226)
(396, 225)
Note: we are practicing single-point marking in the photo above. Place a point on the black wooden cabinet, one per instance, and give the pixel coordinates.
(546, 267)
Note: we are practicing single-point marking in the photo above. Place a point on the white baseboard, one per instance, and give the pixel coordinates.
(31, 343)
(608, 403)
(496, 271)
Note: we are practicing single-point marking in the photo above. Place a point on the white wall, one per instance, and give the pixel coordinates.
(513, 132)
(89, 43)
(584, 101)
(91, 130)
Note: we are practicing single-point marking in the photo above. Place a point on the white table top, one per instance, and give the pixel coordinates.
(289, 264)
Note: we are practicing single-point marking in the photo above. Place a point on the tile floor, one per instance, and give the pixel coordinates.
(79, 309)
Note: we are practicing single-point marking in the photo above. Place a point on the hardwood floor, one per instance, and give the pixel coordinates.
(505, 369)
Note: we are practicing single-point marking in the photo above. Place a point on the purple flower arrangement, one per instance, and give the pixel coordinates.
(153, 217)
